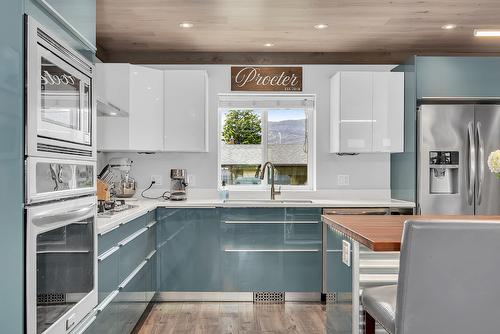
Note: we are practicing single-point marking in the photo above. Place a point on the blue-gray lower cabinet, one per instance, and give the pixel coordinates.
(240, 249)
(127, 275)
(338, 277)
(189, 250)
(271, 249)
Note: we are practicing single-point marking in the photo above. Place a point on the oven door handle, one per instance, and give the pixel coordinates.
(56, 216)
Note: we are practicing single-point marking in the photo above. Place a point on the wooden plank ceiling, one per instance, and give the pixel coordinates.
(235, 31)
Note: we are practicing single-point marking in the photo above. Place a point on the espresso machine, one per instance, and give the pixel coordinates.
(178, 184)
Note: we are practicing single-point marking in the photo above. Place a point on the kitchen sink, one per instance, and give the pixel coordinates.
(265, 201)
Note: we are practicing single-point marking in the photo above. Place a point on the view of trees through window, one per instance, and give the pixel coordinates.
(251, 137)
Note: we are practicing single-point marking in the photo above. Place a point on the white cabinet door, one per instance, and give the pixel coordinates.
(356, 92)
(135, 120)
(186, 111)
(388, 112)
(146, 109)
(116, 86)
(366, 112)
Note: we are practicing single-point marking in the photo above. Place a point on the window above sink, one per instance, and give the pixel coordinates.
(254, 129)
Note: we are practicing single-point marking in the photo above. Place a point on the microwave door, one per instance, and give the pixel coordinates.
(64, 101)
(61, 265)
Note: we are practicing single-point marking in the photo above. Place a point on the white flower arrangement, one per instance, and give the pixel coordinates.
(494, 162)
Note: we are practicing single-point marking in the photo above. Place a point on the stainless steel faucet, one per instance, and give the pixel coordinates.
(271, 168)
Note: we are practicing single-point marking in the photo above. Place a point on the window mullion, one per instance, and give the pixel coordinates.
(264, 142)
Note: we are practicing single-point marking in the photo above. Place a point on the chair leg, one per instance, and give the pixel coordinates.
(369, 324)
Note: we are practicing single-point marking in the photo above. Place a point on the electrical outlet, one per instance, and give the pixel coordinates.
(346, 252)
(157, 180)
(343, 180)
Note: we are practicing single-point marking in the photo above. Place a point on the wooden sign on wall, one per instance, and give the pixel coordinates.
(260, 78)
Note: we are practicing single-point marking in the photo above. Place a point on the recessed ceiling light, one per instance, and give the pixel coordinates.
(321, 26)
(268, 45)
(186, 25)
(449, 26)
(486, 33)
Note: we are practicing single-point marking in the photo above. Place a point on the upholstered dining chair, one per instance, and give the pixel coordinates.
(449, 281)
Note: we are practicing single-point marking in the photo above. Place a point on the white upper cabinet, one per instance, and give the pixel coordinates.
(388, 112)
(366, 112)
(130, 108)
(186, 111)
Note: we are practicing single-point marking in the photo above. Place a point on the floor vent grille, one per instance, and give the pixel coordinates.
(51, 298)
(331, 297)
(269, 297)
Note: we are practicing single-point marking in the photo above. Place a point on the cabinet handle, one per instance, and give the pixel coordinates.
(106, 301)
(132, 237)
(111, 229)
(150, 255)
(153, 223)
(282, 250)
(132, 275)
(89, 322)
(107, 253)
(271, 222)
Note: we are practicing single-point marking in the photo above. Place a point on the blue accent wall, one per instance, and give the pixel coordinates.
(404, 165)
(11, 167)
(458, 77)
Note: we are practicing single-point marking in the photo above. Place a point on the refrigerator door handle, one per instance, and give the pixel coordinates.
(480, 167)
(472, 164)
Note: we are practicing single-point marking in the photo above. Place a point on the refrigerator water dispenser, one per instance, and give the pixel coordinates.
(443, 169)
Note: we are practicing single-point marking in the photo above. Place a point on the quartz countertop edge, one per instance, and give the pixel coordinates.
(105, 225)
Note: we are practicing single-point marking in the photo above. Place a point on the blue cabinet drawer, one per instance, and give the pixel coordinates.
(132, 254)
(108, 273)
(272, 271)
(270, 235)
(132, 300)
(113, 237)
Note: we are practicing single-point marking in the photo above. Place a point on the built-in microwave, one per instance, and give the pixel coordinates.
(61, 264)
(60, 107)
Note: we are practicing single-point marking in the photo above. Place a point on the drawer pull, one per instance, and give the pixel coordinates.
(150, 255)
(285, 222)
(153, 223)
(106, 301)
(111, 229)
(283, 250)
(132, 275)
(107, 253)
(132, 237)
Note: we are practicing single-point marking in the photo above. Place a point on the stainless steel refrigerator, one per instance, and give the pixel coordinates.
(454, 142)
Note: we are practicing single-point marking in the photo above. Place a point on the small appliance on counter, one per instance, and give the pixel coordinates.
(117, 175)
(178, 184)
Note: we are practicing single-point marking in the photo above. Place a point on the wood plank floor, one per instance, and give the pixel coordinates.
(240, 318)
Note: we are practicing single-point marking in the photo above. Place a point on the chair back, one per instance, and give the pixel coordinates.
(449, 278)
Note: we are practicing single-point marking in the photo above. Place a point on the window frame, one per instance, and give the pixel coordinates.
(311, 143)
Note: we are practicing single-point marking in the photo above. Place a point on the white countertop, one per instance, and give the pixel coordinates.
(143, 206)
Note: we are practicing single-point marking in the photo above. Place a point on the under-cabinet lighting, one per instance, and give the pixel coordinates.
(268, 45)
(320, 26)
(449, 26)
(186, 25)
(486, 33)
